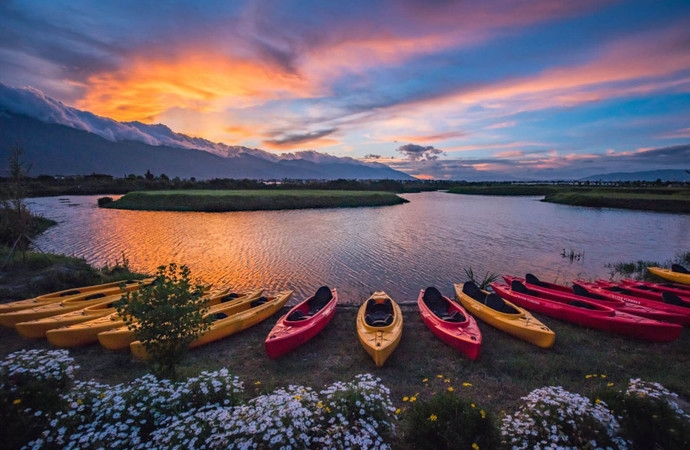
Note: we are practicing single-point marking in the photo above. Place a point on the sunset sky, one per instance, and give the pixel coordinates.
(438, 89)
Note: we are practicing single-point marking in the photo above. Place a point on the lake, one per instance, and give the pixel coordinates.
(401, 249)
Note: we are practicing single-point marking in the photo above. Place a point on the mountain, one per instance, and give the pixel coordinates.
(649, 175)
(60, 140)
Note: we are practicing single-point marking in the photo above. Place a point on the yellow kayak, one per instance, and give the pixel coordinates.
(120, 336)
(37, 328)
(379, 326)
(230, 319)
(504, 315)
(677, 273)
(111, 288)
(87, 332)
(69, 304)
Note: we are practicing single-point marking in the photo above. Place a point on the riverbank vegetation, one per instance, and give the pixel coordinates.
(249, 200)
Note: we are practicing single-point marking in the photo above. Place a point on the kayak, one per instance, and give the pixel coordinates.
(681, 290)
(111, 288)
(670, 304)
(588, 313)
(450, 322)
(379, 326)
(581, 289)
(647, 292)
(504, 315)
(677, 273)
(304, 321)
(87, 332)
(229, 319)
(36, 329)
(11, 319)
(120, 336)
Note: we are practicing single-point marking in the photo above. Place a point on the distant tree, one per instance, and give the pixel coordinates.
(17, 219)
(164, 177)
(166, 317)
(149, 176)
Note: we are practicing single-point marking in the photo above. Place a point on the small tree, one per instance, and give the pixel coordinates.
(166, 317)
(17, 218)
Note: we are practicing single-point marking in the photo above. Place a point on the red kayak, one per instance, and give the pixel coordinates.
(587, 313)
(671, 303)
(645, 292)
(681, 290)
(450, 322)
(304, 321)
(580, 292)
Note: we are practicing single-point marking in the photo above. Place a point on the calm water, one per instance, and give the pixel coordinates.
(400, 249)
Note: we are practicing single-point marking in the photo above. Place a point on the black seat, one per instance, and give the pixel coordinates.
(455, 317)
(227, 298)
(673, 299)
(472, 290)
(517, 286)
(320, 299)
(218, 316)
(379, 314)
(581, 304)
(679, 269)
(296, 315)
(259, 301)
(531, 279)
(434, 301)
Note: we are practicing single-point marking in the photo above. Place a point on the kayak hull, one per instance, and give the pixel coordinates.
(379, 340)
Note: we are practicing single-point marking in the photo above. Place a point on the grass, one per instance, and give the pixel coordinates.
(250, 200)
(506, 370)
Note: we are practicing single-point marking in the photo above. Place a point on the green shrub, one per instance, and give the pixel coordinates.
(649, 416)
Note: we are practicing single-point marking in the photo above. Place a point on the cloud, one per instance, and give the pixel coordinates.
(295, 140)
(415, 152)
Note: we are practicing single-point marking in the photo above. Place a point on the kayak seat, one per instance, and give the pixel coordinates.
(227, 298)
(259, 301)
(378, 319)
(519, 287)
(472, 290)
(218, 316)
(435, 302)
(319, 300)
(455, 317)
(496, 303)
(296, 315)
(679, 269)
(673, 299)
(531, 279)
(94, 296)
(581, 304)
(74, 292)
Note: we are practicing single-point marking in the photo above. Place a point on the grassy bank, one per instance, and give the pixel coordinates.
(649, 198)
(250, 200)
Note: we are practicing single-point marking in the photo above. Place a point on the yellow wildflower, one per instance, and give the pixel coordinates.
(466, 384)
(413, 399)
(450, 389)
(588, 376)
(472, 405)
(433, 417)
(319, 405)
(298, 397)
(256, 383)
(597, 401)
(17, 401)
(398, 411)
(425, 380)
(603, 376)
(80, 402)
(483, 413)
(406, 399)
(439, 376)
(447, 380)
(475, 446)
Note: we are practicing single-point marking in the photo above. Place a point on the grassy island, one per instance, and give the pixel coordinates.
(649, 198)
(250, 200)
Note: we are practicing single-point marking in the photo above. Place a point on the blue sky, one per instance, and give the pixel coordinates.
(542, 89)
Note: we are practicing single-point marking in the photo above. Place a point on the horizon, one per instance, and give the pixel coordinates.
(543, 90)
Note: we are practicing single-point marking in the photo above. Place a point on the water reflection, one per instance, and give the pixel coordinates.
(400, 249)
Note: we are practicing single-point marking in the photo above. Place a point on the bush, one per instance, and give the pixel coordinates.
(554, 418)
(649, 416)
(102, 201)
(31, 386)
(438, 417)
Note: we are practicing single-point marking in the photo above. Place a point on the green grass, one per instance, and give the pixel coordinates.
(250, 200)
(678, 202)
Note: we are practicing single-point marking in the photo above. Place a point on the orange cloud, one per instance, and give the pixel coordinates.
(144, 88)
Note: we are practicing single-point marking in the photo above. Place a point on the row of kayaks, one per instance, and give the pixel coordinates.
(650, 311)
